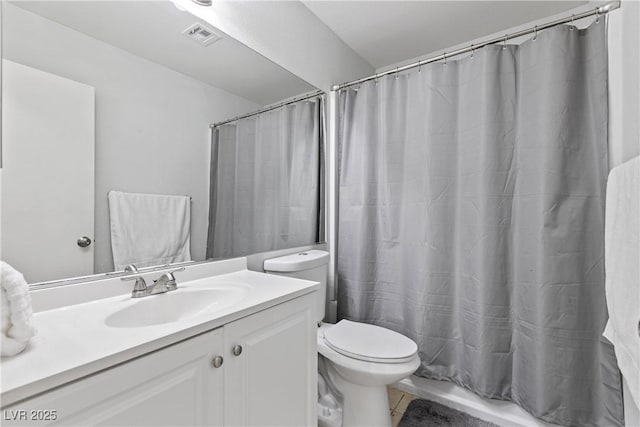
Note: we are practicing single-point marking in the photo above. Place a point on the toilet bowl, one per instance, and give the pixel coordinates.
(359, 359)
(362, 379)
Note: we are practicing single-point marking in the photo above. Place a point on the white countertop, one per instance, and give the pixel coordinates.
(74, 341)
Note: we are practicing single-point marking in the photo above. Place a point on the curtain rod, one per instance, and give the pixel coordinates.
(266, 109)
(598, 11)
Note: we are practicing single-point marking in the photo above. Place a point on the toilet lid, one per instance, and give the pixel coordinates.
(369, 342)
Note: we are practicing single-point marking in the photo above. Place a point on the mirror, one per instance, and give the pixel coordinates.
(106, 136)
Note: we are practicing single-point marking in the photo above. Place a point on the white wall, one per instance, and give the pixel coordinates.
(624, 83)
(290, 35)
(152, 132)
(624, 113)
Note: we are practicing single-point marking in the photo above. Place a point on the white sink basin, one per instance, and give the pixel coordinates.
(175, 305)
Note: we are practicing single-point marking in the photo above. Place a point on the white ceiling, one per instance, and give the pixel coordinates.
(387, 32)
(153, 30)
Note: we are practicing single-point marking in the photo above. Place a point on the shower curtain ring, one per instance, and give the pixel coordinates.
(572, 25)
(472, 50)
(376, 79)
(397, 75)
(535, 32)
(444, 56)
(597, 15)
(504, 43)
(419, 66)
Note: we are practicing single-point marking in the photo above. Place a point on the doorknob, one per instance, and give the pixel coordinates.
(84, 241)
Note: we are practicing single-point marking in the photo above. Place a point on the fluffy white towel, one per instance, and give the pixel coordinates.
(16, 311)
(622, 264)
(149, 229)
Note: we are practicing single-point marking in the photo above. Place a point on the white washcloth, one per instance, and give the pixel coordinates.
(149, 229)
(622, 264)
(17, 329)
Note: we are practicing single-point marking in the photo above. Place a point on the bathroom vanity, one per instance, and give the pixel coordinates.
(229, 347)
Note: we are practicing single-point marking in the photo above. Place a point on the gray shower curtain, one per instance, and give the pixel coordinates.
(265, 181)
(471, 214)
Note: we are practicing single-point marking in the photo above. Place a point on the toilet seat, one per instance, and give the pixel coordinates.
(369, 343)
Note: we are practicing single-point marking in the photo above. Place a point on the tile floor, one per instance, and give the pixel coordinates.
(398, 402)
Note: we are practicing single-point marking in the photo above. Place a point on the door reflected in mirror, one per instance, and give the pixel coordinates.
(108, 155)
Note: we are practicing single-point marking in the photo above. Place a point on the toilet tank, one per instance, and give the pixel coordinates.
(308, 265)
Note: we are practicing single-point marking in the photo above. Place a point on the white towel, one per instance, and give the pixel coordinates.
(622, 264)
(149, 229)
(17, 329)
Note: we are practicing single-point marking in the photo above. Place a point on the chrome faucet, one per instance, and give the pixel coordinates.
(166, 282)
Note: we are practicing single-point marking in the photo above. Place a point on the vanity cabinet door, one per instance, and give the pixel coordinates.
(271, 366)
(174, 386)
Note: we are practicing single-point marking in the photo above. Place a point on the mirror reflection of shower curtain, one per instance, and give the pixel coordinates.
(265, 181)
(471, 219)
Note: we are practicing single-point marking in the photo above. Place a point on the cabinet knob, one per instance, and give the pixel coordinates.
(84, 241)
(237, 350)
(217, 361)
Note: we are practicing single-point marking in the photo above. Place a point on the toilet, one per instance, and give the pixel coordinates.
(356, 360)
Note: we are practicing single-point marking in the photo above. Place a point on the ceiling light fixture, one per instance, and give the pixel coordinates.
(202, 2)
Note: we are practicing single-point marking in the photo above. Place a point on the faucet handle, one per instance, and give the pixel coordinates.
(168, 279)
(169, 274)
(130, 268)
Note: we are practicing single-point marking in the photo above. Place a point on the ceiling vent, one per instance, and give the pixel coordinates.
(202, 34)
